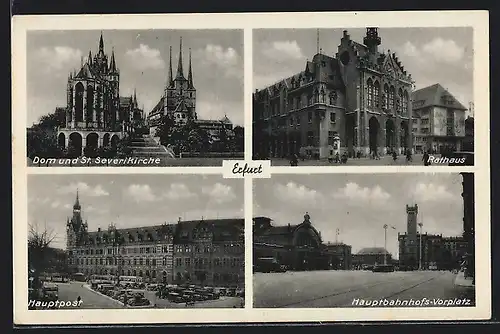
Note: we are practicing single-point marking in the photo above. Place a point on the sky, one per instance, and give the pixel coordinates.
(142, 57)
(131, 200)
(360, 204)
(430, 55)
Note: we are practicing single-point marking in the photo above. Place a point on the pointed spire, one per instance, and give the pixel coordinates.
(190, 74)
(180, 71)
(135, 98)
(81, 62)
(112, 65)
(101, 44)
(77, 202)
(170, 75)
(89, 60)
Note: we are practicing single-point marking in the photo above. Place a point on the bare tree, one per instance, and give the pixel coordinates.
(38, 251)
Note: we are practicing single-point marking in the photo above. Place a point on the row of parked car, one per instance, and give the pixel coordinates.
(193, 293)
(129, 297)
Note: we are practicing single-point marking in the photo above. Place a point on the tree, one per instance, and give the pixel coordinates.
(42, 143)
(239, 138)
(38, 252)
(165, 128)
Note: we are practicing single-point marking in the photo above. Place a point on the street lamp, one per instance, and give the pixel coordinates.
(420, 247)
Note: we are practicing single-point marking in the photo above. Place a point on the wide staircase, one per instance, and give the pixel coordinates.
(146, 146)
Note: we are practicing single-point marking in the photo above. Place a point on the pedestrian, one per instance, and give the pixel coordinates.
(425, 158)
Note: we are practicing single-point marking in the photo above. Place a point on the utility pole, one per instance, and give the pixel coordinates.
(385, 243)
(420, 247)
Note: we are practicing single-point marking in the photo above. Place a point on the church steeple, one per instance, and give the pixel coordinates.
(89, 60)
(77, 202)
(180, 71)
(170, 75)
(112, 64)
(190, 74)
(101, 44)
(135, 99)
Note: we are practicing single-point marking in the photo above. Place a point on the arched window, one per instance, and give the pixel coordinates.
(322, 96)
(369, 86)
(376, 94)
(405, 102)
(399, 101)
(79, 91)
(391, 98)
(90, 104)
(316, 96)
(333, 97)
(386, 97)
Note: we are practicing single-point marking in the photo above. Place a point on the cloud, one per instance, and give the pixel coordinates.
(296, 193)
(352, 191)
(57, 58)
(140, 192)
(217, 109)
(444, 50)
(83, 189)
(282, 50)
(431, 192)
(438, 50)
(179, 191)
(145, 58)
(219, 193)
(226, 60)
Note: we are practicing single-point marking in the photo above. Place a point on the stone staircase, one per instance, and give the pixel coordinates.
(146, 146)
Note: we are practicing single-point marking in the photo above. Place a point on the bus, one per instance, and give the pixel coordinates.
(128, 280)
(78, 277)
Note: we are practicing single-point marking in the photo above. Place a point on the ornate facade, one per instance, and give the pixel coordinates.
(179, 102)
(297, 246)
(96, 115)
(208, 252)
(360, 96)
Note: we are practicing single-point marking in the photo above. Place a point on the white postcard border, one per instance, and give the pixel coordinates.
(476, 19)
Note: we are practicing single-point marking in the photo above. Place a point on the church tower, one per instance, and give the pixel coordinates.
(75, 228)
(169, 103)
(191, 91)
(180, 81)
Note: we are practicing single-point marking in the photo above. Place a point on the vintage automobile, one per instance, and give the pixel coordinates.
(383, 268)
(268, 265)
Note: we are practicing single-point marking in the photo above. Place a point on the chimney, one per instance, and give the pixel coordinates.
(179, 221)
(98, 229)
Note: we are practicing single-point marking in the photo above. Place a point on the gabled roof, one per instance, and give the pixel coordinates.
(85, 72)
(158, 108)
(435, 95)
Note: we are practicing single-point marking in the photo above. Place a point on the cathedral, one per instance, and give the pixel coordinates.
(96, 115)
(179, 102)
(356, 102)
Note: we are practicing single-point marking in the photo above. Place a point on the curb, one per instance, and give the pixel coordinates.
(103, 295)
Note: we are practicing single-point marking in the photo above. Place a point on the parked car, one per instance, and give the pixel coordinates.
(268, 265)
(383, 268)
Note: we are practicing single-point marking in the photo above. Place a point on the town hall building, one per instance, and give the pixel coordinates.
(357, 101)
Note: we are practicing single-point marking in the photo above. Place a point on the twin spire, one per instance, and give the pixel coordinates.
(180, 70)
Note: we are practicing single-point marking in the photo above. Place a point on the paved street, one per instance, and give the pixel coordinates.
(384, 161)
(340, 288)
(91, 299)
